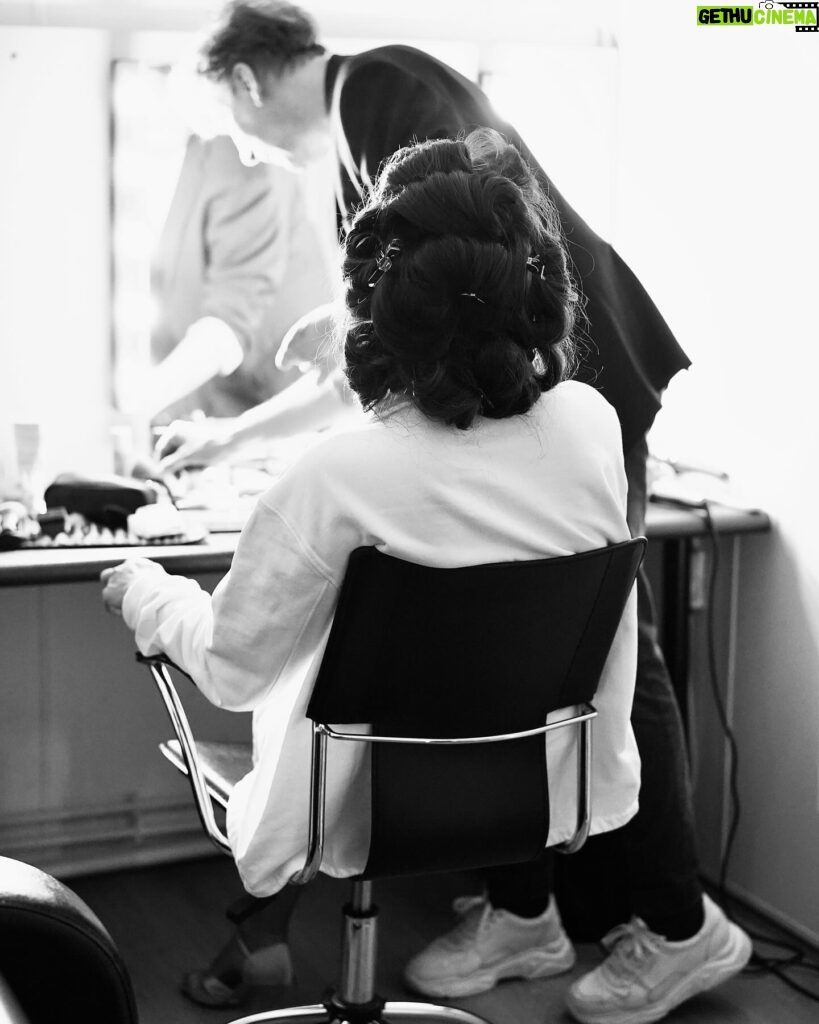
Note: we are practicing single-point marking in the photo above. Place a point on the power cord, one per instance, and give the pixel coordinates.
(719, 703)
(795, 955)
(160, 484)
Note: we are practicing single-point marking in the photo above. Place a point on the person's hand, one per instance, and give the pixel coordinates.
(193, 443)
(116, 580)
(309, 343)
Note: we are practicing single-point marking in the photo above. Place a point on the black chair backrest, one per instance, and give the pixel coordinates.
(473, 651)
(58, 960)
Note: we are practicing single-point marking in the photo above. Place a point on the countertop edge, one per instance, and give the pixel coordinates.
(35, 566)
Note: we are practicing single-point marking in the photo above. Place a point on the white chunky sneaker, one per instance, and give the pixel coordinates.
(645, 976)
(488, 945)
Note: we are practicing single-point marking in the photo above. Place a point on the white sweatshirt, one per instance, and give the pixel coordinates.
(547, 483)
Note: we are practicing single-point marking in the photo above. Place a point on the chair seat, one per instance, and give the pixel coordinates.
(223, 764)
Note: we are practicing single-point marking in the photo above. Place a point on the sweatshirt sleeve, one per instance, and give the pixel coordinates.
(237, 643)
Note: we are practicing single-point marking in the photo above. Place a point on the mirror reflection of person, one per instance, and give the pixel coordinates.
(286, 90)
(238, 260)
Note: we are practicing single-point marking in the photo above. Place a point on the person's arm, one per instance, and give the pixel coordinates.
(237, 643)
(208, 349)
(309, 404)
(309, 342)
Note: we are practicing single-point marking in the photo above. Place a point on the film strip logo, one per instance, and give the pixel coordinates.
(799, 7)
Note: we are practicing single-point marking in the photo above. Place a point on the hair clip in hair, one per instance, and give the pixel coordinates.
(384, 261)
(536, 265)
(472, 295)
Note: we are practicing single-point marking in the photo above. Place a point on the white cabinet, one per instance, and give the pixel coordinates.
(82, 784)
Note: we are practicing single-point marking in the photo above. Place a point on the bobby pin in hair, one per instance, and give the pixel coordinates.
(536, 265)
(384, 261)
(472, 295)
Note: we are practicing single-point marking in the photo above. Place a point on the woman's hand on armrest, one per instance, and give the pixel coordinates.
(118, 578)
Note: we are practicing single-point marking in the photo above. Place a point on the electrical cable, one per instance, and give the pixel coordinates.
(162, 485)
(722, 712)
(795, 954)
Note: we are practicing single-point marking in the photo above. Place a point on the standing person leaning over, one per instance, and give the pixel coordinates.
(286, 90)
(478, 449)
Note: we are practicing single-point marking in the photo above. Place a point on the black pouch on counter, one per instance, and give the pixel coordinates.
(107, 500)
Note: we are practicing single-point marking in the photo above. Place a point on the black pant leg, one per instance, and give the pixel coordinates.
(522, 889)
(660, 852)
(649, 867)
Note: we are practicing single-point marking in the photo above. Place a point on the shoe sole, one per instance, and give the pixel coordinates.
(730, 961)
(539, 963)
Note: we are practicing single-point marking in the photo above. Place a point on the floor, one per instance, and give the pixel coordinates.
(169, 919)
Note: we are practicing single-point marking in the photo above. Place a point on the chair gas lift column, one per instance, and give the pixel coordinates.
(456, 671)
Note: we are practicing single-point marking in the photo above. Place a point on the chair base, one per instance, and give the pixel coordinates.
(380, 1012)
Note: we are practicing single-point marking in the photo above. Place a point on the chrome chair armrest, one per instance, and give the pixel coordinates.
(318, 789)
(159, 666)
(322, 732)
(585, 713)
(186, 760)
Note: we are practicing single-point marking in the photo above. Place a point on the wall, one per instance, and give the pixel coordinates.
(83, 787)
(54, 263)
(716, 213)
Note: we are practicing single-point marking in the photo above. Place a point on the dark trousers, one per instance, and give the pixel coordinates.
(649, 867)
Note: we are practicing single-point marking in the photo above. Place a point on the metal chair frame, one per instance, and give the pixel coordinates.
(355, 1001)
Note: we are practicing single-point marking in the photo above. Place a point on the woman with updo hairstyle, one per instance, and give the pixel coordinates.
(471, 313)
(474, 447)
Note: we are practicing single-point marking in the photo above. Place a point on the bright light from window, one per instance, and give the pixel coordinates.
(562, 101)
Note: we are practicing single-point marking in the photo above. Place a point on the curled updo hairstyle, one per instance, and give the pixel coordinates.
(459, 321)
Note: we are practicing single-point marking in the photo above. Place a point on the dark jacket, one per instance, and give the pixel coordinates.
(394, 96)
